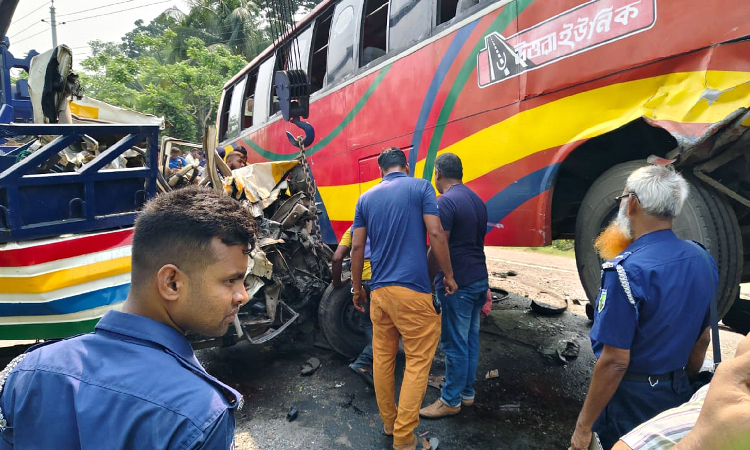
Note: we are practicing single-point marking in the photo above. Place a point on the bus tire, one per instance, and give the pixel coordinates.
(706, 217)
(339, 321)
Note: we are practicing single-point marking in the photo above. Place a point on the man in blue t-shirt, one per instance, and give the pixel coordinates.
(397, 215)
(651, 317)
(464, 218)
(176, 161)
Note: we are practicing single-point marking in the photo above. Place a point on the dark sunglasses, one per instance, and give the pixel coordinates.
(620, 197)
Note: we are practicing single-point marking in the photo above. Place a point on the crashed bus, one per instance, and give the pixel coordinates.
(549, 104)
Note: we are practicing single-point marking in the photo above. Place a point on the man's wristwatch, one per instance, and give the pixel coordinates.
(352, 289)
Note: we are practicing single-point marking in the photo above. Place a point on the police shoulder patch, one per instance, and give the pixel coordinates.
(602, 299)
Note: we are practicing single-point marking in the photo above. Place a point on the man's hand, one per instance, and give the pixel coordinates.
(359, 299)
(450, 285)
(581, 439)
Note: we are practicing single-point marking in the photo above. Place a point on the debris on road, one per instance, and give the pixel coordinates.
(549, 303)
(510, 407)
(292, 414)
(311, 365)
(436, 381)
(494, 373)
(350, 404)
(509, 273)
(561, 352)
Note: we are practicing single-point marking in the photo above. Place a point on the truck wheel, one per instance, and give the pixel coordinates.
(738, 316)
(340, 322)
(706, 217)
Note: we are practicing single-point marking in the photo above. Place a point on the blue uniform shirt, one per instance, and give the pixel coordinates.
(392, 214)
(132, 384)
(671, 285)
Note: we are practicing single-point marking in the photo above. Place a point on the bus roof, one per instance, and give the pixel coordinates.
(264, 54)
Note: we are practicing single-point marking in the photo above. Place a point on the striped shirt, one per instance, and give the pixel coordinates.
(668, 428)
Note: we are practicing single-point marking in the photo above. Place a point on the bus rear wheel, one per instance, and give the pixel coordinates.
(706, 217)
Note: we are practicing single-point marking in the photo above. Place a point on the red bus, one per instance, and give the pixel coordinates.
(549, 103)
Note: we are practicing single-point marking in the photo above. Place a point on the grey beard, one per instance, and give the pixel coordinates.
(622, 221)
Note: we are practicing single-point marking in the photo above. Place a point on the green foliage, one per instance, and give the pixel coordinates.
(176, 65)
(564, 245)
(186, 93)
(22, 75)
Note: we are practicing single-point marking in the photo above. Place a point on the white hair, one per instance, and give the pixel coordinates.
(660, 190)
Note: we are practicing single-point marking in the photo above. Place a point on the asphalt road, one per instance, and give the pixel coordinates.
(532, 403)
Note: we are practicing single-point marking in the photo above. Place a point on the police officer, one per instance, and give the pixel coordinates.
(651, 316)
(135, 382)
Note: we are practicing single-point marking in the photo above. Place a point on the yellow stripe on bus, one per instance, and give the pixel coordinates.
(686, 97)
(65, 278)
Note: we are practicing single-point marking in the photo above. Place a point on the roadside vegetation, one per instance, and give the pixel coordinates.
(560, 247)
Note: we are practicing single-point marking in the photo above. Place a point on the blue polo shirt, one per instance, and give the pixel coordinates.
(672, 285)
(132, 384)
(464, 214)
(392, 214)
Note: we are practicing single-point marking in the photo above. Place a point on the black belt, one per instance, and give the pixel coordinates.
(651, 379)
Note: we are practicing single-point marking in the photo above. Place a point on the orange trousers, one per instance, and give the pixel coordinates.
(395, 311)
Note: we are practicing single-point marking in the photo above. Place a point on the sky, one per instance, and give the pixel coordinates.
(80, 21)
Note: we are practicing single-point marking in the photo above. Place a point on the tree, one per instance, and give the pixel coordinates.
(186, 93)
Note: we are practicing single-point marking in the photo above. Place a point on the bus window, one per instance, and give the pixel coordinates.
(446, 10)
(299, 54)
(320, 51)
(409, 21)
(292, 55)
(235, 109)
(249, 99)
(263, 91)
(224, 117)
(374, 31)
(343, 36)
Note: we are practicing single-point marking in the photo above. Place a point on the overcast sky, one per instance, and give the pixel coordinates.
(80, 21)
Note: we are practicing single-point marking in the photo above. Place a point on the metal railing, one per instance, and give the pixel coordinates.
(35, 205)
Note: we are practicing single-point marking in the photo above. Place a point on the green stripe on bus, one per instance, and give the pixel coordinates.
(505, 18)
(45, 330)
(273, 156)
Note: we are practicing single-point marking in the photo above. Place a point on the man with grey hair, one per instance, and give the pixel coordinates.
(651, 317)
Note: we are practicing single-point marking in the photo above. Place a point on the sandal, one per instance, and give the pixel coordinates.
(363, 373)
(311, 365)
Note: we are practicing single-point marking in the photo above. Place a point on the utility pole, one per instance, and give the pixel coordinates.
(53, 24)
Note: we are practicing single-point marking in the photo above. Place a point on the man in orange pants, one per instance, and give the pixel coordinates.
(397, 215)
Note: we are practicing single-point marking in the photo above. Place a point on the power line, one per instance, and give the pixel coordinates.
(26, 29)
(115, 12)
(29, 37)
(32, 12)
(93, 9)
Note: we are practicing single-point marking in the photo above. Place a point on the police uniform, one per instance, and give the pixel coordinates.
(132, 384)
(654, 301)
